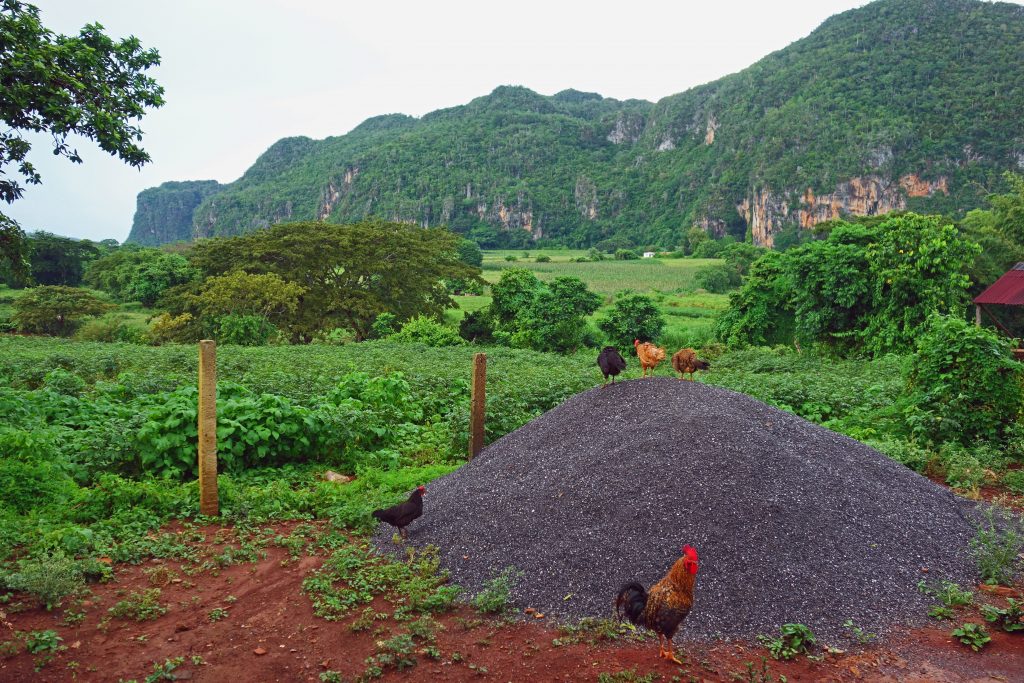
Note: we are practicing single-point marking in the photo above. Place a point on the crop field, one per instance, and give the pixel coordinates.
(609, 276)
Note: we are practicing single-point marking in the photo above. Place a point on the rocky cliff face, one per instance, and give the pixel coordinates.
(164, 214)
(767, 212)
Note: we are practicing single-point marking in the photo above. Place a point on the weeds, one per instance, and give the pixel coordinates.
(753, 675)
(142, 606)
(165, 671)
(493, 599)
(996, 550)
(860, 634)
(216, 614)
(1010, 618)
(794, 640)
(49, 578)
(972, 635)
(626, 676)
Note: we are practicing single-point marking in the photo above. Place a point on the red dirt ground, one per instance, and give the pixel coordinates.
(271, 634)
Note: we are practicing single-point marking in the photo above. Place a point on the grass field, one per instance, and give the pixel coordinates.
(603, 277)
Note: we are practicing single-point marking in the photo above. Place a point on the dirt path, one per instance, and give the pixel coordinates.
(251, 622)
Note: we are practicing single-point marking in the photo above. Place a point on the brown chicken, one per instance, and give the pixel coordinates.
(685, 361)
(662, 609)
(649, 355)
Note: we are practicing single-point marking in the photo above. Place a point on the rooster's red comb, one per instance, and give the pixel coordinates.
(690, 552)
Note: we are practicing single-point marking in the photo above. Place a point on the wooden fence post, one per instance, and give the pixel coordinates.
(478, 404)
(208, 504)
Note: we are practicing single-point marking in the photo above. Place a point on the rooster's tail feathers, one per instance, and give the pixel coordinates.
(631, 601)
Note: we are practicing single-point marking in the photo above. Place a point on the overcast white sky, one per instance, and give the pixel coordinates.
(240, 75)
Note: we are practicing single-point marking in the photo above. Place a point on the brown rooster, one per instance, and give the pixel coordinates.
(649, 355)
(664, 607)
(686, 361)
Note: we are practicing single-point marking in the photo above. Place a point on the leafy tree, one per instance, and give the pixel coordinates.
(761, 312)
(512, 294)
(14, 266)
(132, 273)
(87, 85)
(626, 255)
(56, 310)
(478, 327)
(720, 278)
(694, 237)
(964, 383)
(56, 260)
(240, 293)
(351, 273)
(555, 320)
(243, 329)
(918, 267)
(633, 317)
(470, 254)
(740, 255)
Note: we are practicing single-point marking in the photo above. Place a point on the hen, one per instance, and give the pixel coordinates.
(662, 609)
(402, 515)
(611, 363)
(649, 355)
(686, 361)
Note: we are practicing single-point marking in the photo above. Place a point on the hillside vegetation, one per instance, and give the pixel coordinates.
(920, 90)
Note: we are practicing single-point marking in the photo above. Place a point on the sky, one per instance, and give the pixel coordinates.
(241, 75)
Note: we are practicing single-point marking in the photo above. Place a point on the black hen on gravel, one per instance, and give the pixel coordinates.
(403, 514)
(611, 363)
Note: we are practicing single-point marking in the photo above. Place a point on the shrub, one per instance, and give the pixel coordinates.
(1014, 480)
(477, 327)
(112, 327)
(972, 635)
(50, 578)
(626, 255)
(963, 382)
(543, 258)
(470, 254)
(385, 325)
(244, 330)
(717, 279)
(25, 486)
(635, 316)
(794, 640)
(427, 331)
(166, 328)
(56, 310)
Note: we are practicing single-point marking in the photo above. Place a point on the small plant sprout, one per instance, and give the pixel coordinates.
(972, 635)
(794, 639)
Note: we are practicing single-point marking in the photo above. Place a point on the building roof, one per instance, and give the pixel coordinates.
(1007, 290)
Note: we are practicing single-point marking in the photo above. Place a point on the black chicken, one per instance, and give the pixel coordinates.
(402, 515)
(611, 363)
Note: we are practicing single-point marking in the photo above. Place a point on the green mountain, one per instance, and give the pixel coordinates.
(899, 104)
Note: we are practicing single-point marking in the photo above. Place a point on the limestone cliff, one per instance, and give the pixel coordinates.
(767, 212)
(164, 214)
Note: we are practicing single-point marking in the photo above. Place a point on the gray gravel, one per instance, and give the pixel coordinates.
(793, 522)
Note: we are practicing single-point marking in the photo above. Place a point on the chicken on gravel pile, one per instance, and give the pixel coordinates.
(793, 522)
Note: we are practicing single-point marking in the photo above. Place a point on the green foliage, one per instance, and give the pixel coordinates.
(427, 331)
(626, 255)
(56, 310)
(634, 316)
(795, 639)
(244, 330)
(470, 254)
(351, 273)
(972, 635)
(543, 316)
(1010, 618)
(134, 274)
(512, 294)
(86, 85)
(48, 578)
(353, 574)
(963, 382)
(493, 597)
(996, 547)
(56, 260)
(625, 676)
(165, 671)
(38, 642)
(717, 278)
(477, 327)
(385, 325)
(140, 606)
(869, 286)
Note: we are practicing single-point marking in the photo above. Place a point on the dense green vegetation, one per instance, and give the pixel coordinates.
(893, 88)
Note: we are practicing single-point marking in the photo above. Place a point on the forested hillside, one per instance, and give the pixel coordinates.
(899, 104)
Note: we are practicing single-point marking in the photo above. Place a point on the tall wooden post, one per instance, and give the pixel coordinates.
(208, 428)
(478, 400)
(977, 314)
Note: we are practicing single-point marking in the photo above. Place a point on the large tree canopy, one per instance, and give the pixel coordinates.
(88, 85)
(351, 273)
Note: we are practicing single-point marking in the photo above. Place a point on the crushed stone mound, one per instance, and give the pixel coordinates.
(793, 522)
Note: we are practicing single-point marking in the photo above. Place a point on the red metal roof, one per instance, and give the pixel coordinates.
(1007, 290)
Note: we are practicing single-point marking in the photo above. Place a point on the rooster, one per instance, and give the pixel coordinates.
(611, 363)
(402, 515)
(686, 361)
(649, 355)
(662, 609)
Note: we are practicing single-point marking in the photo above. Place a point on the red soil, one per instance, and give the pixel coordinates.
(271, 634)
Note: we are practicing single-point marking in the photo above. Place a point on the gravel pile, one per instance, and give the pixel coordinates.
(793, 522)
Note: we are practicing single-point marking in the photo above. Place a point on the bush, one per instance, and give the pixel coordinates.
(626, 255)
(963, 383)
(543, 258)
(427, 331)
(997, 547)
(477, 327)
(493, 598)
(56, 310)
(113, 327)
(166, 328)
(470, 254)
(635, 316)
(717, 279)
(385, 325)
(50, 578)
(244, 330)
